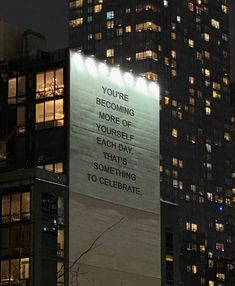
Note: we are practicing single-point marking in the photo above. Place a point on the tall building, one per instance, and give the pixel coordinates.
(184, 46)
(33, 168)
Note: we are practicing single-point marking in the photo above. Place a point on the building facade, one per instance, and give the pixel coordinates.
(33, 183)
(184, 46)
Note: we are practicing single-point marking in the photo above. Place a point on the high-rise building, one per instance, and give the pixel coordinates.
(184, 46)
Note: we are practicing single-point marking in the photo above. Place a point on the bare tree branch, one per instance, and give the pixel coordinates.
(90, 248)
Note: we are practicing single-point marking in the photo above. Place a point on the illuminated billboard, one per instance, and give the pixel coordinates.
(114, 134)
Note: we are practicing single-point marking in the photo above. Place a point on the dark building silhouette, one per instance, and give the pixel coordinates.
(184, 46)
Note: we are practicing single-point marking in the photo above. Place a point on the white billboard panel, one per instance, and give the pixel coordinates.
(114, 135)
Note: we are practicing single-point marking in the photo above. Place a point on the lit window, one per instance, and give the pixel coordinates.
(208, 111)
(174, 133)
(194, 227)
(194, 269)
(98, 8)
(76, 22)
(173, 35)
(128, 29)
(178, 18)
(211, 283)
(215, 23)
(227, 136)
(224, 8)
(207, 72)
(191, 80)
(210, 263)
(210, 197)
(219, 227)
(50, 111)
(50, 83)
(191, 43)
(220, 276)
(219, 246)
(110, 15)
(147, 26)
(15, 207)
(75, 4)
(206, 37)
(110, 24)
(109, 53)
(146, 55)
(190, 6)
(16, 90)
(173, 54)
(202, 248)
(165, 2)
(150, 75)
(225, 80)
(169, 258)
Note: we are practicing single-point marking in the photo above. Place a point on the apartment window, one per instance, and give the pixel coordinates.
(53, 167)
(173, 35)
(191, 226)
(16, 90)
(150, 75)
(98, 36)
(51, 111)
(60, 242)
(128, 29)
(194, 269)
(219, 227)
(109, 53)
(98, 8)
(210, 263)
(220, 276)
(75, 4)
(215, 23)
(146, 55)
(224, 8)
(190, 6)
(191, 79)
(76, 22)
(174, 133)
(202, 248)
(219, 246)
(207, 72)
(173, 54)
(50, 83)
(211, 283)
(147, 26)
(191, 43)
(110, 15)
(15, 207)
(110, 24)
(15, 271)
(206, 37)
(208, 111)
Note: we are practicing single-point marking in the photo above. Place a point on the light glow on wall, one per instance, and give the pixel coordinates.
(95, 68)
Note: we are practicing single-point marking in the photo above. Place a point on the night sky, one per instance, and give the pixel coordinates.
(48, 17)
